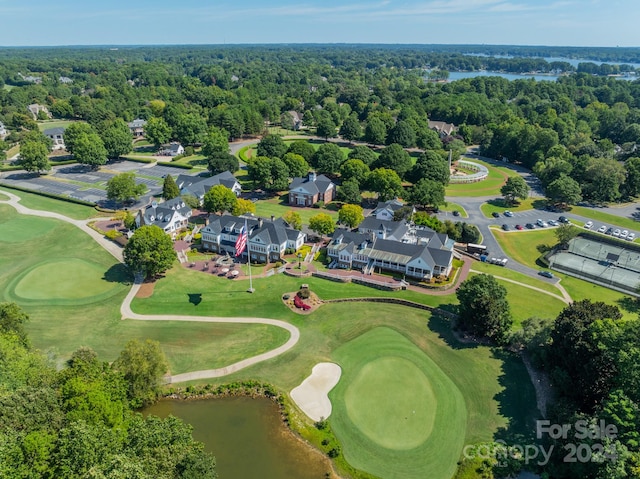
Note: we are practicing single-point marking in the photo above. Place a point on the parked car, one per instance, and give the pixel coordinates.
(588, 225)
(508, 214)
(552, 223)
(602, 229)
(495, 214)
(631, 236)
(546, 274)
(506, 227)
(609, 231)
(624, 234)
(541, 224)
(519, 227)
(530, 226)
(616, 233)
(563, 219)
(456, 213)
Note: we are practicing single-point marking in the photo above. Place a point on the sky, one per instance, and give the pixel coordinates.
(135, 22)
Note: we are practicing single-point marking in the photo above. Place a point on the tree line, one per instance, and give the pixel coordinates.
(81, 420)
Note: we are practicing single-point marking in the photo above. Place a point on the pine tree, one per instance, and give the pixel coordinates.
(170, 189)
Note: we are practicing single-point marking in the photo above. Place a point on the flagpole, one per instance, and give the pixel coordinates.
(250, 290)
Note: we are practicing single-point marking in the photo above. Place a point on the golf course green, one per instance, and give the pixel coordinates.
(63, 279)
(395, 412)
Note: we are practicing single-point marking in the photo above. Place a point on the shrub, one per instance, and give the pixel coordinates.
(319, 204)
(189, 151)
(334, 452)
(113, 234)
(277, 264)
(304, 294)
(321, 425)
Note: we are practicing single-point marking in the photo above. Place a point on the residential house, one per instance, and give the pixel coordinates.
(3, 131)
(268, 240)
(57, 136)
(136, 127)
(35, 109)
(65, 80)
(432, 255)
(197, 186)
(386, 210)
(442, 128)
(172, 149)
(297, 119)
(308, 191)
(172, 215)
(385, 229)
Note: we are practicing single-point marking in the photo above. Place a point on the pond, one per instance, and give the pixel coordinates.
(247, 437)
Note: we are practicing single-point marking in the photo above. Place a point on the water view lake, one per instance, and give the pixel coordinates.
(247, 437)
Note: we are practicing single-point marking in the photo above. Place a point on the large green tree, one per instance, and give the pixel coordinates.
(219, 199)
(89, 150)
(364, 153)
(515, 188)
(149, 251)
(355, 170)
(123, 187)
(297, 165)
(403, 134)
(386, 183)
(564, 190)
(327, 158)
(157, 131)
(580, 367)
(216, 143)
(293, 219)
(143, 365)
(73, 132)
(376, 131)
(427, 193)
(351, 215)
(302, 148)
(395, 158)
(117, 139)
(351, 129)
(432, 166)
(349, 192)
(322, 224)
(34, 156)
(484, 310)
(272, 146)
(13, 320)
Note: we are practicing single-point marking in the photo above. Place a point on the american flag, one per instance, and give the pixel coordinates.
(241, 242)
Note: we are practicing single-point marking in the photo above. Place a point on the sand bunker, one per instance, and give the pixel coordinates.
(312, 395)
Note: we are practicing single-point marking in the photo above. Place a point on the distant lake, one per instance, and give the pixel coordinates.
(247, 437)
(572, 61)
(509, 76)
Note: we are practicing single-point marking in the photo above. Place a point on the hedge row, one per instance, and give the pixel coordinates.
(138, 160)
(175, 165)
(50, 195)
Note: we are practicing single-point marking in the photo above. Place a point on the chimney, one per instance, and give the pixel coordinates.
(273, 218)
(259, 222)
(312, 176)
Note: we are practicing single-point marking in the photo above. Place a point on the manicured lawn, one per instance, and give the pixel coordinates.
(3, 197)
(45, 125)
(277, 207)
(498, 205)
(37, 202)
(490, 186)
(514, 275)
(526, 303)
(521, 245)
(606, 218)
(396, 413)
(197, 161)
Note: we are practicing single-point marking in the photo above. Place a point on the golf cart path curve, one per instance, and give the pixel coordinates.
(127, 313)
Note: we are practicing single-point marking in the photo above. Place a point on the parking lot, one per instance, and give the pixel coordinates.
(82, 183)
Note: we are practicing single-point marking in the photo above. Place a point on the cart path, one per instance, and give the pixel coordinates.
(127, 313)
(564, 298)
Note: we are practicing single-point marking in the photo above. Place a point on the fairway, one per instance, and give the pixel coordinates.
(396, 413)
(24, 228)
(64, 279)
